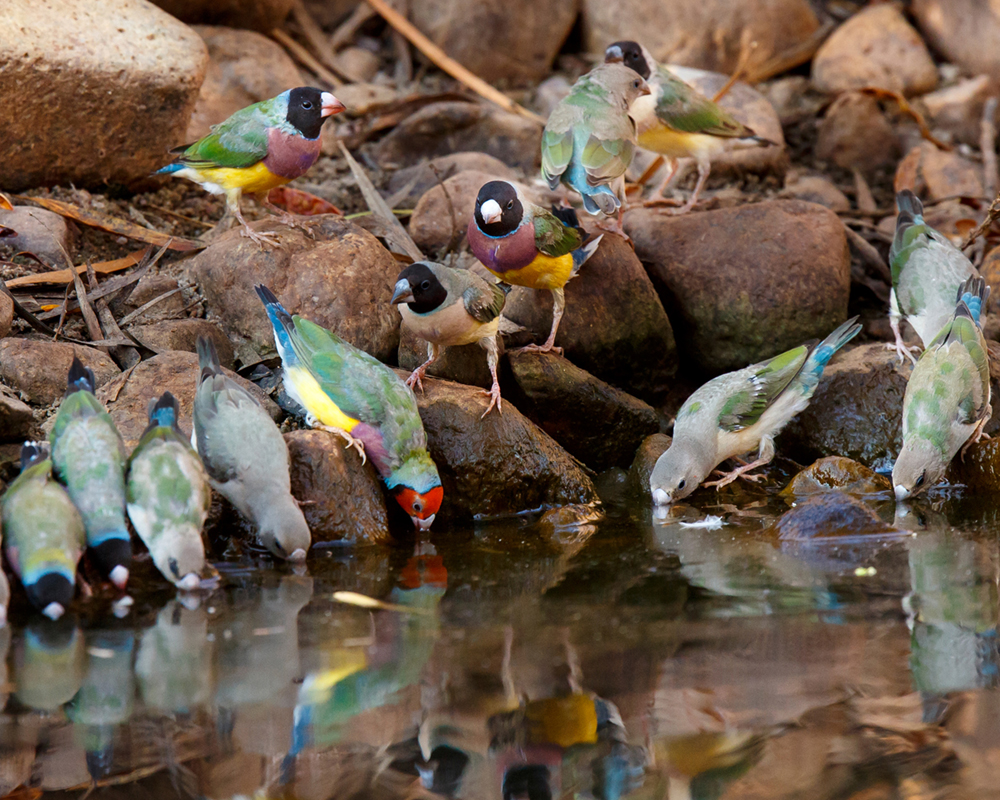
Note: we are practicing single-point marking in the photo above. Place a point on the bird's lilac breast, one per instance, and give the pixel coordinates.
(508, 253)
(290, 155)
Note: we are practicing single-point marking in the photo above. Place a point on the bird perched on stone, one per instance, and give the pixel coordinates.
(525, 245)
(168, 496)
(257, 149)
(675, 119)
(927, 271)
(589, 138)
(739, 412)
(348, 392)
(947, 400)
(246, 458)
(43, 533)
(446, 306)
(88, 457)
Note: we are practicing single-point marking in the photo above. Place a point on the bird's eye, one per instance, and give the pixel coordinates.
(306, 104)
(681, 484)
(425, 285)
(636, 84)
(418, 506)
(920, 480)
(510, 204)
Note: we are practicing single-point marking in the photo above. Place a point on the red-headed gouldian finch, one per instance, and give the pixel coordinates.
(257, 149)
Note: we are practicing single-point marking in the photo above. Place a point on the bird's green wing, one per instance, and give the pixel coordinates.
(763, 385)
(553, 237)
(77, 405)
(557, 150)
(964, 331)
(484, 305)
(684, 108)
(605, 159)
(240, 141)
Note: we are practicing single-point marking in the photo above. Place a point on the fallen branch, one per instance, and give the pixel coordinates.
(447, 63)
(317, 40)
(746, 48)
(124, 355)
(64, 276)
(988, 147)
(992, 213)
(307, 59)
(910, 111)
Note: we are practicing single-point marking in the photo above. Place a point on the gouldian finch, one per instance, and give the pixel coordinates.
(589, 139)
(88, 457)
(43, 532)
(525, 245)
(739, 412)
(258, 148)
(675, 119)
(446, 306)
(947, 400)
(168, 496)
(352, 394)
(927, 271)
(246, 458)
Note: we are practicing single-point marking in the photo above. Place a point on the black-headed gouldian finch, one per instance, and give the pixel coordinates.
(43, 533)
(589, 138)
(246, 458)
(947, 400)
(675, 119)
(168, 496)
(257, 149)
(739, 412)
(348, 392)
(525, 245)
(88, 457)
(446, 306)
(927, 271)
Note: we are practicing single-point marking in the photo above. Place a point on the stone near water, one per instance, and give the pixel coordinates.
(38, 368)
(965, 32)
(652, 447)
(16, 417)
(828, 516)
(956, 111)
(464, 364)
(816, 189)
(936, 174)
(836, 473)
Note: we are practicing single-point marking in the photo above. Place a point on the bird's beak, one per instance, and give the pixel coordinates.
(423, 524)
(53, 611)
(403, 292)
(189, 582)
(491, 212)
(613, 55)
(901, 491)
(661, 497)
(330, 105)
(298, 556)
(646, 89)
(119, 576)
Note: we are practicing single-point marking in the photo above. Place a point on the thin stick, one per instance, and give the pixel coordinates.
(447, 63)
(317, 39)
(991, 216)
(307, 59)
(910, 111)
(746, 48)
(988, 146)
(863, 194)
(361, 14)
(869, 254)
(93, 326)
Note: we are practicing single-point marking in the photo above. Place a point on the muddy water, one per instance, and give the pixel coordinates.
(559, 657)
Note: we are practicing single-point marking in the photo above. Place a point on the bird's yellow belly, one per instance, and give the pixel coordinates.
(545, 272)
(257, 178)
(305, 389)
(678, 144)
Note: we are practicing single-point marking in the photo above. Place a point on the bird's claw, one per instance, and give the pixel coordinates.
(903, 351)
(350, 441)
(548, 347)
(416, 379)
(260, 238)
(494, 394)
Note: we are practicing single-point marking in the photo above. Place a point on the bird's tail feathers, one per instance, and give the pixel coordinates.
(823, 352)
(163, 411)
(175, 166)
(80, 378)
(208, 358)
(908, 203)
(281, 320)
(32, 453)
(583, 253)
(973, 295)
(567, 216)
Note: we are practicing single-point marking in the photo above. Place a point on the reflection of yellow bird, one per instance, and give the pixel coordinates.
(562, 721)
(318, 686)
(702, 765)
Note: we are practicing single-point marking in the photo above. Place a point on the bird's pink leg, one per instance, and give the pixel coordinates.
(900, 346)
(764, 456)
(260, 239)
(558, 306)
(704, 168)
(492, 356)
(417, 376)
(658, 198)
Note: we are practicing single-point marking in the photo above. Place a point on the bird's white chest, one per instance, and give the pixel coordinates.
(451, 325)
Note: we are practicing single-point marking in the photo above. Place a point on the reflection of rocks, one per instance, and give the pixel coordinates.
(837, 473)
(827, 516)
(38, 368)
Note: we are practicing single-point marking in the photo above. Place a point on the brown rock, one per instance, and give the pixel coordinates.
(558, 395)
(652, 447)
(965, 32)
(342, 279)
(423, 177)
(38, 368)
(855, 133)
(876, 47)
(43, 233)
(956, 112)
(443, 128)
(6, 314)
(780, 276)
(935, 174)
(182, 334)
(127, 399)
(990, 270)
(16, 418)
(341, 498)
(358, 63)
(614, 326)
(258, 15)
(815, 189)
(244, 68)
(835, 473)
(706, 33)
(152, 287)
(498, 41)
(122, 71)
(495, 465)
(829, 516)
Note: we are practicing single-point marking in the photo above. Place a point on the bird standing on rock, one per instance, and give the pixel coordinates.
(88, 457)
(589, 138)
(445, 306)
(675, 119)
(169, 496)
(348, 392)
(947, 400)
(44, 533)
(257, 149)
(525, 245)
(739, 412)
(246, 458)
(927, 271)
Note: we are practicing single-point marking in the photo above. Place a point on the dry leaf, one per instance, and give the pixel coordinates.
(5, 203)
(305, 204)
(63, 276)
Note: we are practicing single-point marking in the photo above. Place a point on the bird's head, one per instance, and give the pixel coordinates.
(919, 466)
(163, 412)
(113, 556)
(416, 486)
(677, 473)
(419, 287)
(632, 54)
(180, 555)
(283, 530)
(308, 109)
(52, 591)
(499, 210)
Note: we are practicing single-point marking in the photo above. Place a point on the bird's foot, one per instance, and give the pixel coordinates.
(357, 444)
(903, 351)
(494, 394)
(415, 381)
(613, 226)
(739, 472)
(260, 238)
(294, 221)
(548, 347)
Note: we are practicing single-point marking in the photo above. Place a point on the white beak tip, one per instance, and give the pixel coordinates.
(53, 611)
(297, 556)
(901, 492)
(660, 497)
(424, 524)
(189, 582)
(330, 105)
(491, 212)
(119, 576)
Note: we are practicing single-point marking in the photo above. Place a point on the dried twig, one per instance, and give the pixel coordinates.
(123, 355)
(992, 213)
(988, 147)
(350, 26)
(304, 57)
(129, 318)
(65, 275)
(910, 111)
(746, 49)
(447, 63)
(863, 194)
(869, 255)
(93, 326)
